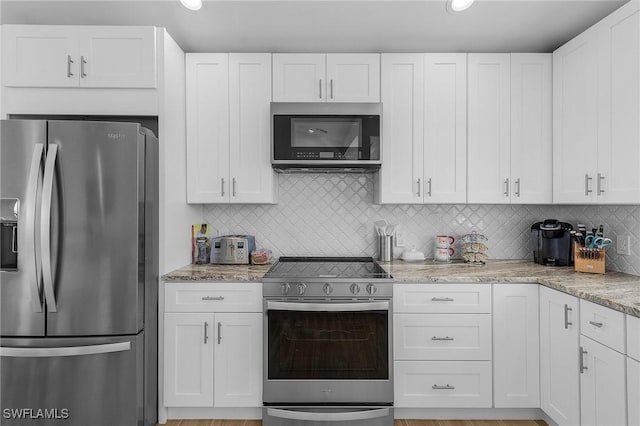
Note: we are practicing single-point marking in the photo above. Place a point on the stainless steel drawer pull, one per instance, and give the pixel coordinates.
(213, 298)
(222, 187)
(587, 190)
(429, 186)
(331, 87)
(600, 184)
(583, 367)
(69, 62)
(518, 187)
(418, 193)
(206, 332)
(596, 324)
(320, 88)
(441, 299)
(566, 316)
(233, 182)
(219, 332)
(82, 63)
(447, 387)
(506, 187)
(442, 338)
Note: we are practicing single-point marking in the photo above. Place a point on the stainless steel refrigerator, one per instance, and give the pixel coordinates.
(79, 276)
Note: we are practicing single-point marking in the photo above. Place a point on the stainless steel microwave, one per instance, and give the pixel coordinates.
(325, 136)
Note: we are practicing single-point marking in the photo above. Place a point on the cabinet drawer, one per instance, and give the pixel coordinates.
(442, 337)
(213, 297)
(603, 325)
(442, 298)
(442, 384)
(633, 337)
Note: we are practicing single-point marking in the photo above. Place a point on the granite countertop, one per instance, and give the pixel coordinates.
(614, 289)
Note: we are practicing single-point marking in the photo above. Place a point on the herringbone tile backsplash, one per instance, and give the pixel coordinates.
(333, 215)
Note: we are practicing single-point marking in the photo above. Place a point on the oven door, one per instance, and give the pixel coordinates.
(324, 352)
(321, 416)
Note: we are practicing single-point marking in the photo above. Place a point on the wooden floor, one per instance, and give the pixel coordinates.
(396, 423)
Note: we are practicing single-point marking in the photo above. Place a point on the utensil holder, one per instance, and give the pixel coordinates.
(591, 261)
(385, 248)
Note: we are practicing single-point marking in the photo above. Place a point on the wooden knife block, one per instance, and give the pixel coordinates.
(586, 264)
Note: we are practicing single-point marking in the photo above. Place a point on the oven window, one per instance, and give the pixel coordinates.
(328, 345)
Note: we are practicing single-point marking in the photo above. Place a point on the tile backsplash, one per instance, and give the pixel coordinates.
(333, 215)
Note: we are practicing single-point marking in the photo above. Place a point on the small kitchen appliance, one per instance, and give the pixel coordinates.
(232, 249)
(327, 342)
(552, 243)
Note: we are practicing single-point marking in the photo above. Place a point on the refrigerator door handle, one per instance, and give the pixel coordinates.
(27, 229)
(65, 350)
(45, 228)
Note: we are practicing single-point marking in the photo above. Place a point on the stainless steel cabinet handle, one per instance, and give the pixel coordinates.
(518, 187)
(222, 187)
(69, 62)
(599, 185)
(27, 225)
(566, 316)
(583, 367)
(447, 387)
(328, 307)
(441, 299)
(418, 193)
(587, 190)
(358, 414)
(331, 87)
(506, 187)
(233, 186)
(213, 298)
(429, 186)
(320, 88)
(596, 324)
(442, 338)
(219, 332)
(82, 63)
(206, 332)
(65, 350)
(45, 228)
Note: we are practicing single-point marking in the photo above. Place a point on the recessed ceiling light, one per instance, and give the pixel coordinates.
(459, 5)
(192, 4)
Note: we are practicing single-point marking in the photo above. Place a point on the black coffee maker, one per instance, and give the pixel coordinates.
(552, 243)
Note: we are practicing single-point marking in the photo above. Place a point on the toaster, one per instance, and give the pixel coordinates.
(232, 249)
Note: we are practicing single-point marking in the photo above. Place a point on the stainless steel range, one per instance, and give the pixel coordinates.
(328, 342)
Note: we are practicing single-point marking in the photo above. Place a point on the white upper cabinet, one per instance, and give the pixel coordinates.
(445, 128)
(79, 56)
(401, 175)
(597, 112)
(332, 78)
(489, 128)
(228, 144)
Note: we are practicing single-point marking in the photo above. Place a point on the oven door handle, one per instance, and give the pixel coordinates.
(328, 417)
(327, 307)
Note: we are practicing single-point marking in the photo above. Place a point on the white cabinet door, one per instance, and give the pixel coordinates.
(488, 172)
(445, 128)
(238, 361)
(353, 77)
(299, 77)
(401, 176)
(618, 177)
(633, 391)
(207, 109)
(40, 56)
(531, 130)
(576, 119)
(188, 359)
(516, 347)
(251, 175)
(559, 342)
(117, 57)
(602, 385)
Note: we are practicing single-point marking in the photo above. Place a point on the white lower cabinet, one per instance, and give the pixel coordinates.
(602, 385)
(212, 358)
(633, 391)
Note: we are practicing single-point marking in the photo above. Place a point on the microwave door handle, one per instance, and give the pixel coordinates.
(328, 417)
(328, 307)
(45, 228)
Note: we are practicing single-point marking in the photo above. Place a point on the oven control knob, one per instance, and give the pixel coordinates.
(371, 289)
(327, 289)
(355, 288)
(284, 288)
(301, 288)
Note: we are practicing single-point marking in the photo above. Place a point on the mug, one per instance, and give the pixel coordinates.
(445, 241)
(444, 254)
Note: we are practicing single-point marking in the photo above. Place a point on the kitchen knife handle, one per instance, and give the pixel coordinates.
(206, 332)
(587, 190)
(69, 62)
(222, 187)
(566, 316)
(599, 189)
(219, 332)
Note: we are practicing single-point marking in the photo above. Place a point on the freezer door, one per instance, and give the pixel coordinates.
(93, 228)
(71, 382)
(22, 145)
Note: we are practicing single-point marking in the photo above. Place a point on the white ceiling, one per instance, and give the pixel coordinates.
(332, 25)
